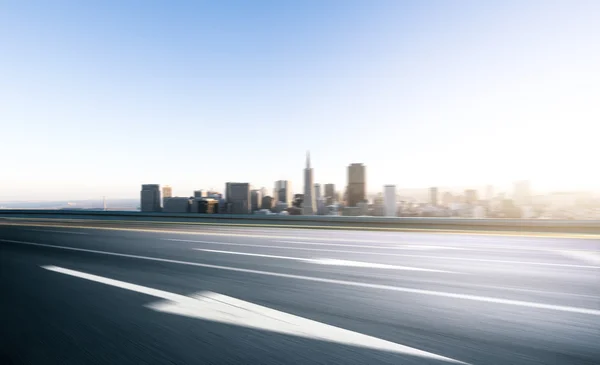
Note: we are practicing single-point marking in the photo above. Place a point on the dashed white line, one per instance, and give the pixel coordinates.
(402, 247)
(476, 298)
(588, 256)
(329, 261)
(385, 254)
(55, 231)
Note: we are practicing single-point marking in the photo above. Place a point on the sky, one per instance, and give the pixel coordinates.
(99, 97)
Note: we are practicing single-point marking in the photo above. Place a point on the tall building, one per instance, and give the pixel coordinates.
(433, 196)
(522, 193)
(200, 194)
(357, 184)
(283, 191)
(177, 205)
(267, 202)
(255, 199)
(309, 203)
(167, 192)
(238, 197)
(471, 196)
(389, 200)
(330, 195)
(150, 198)
(318, 191)
(489, 192)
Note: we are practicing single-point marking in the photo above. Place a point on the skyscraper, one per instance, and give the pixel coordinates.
(150, 198)
(238, 197)
(389, 200)
(318, 191)
(167, 192)
(330, 195)
(283, 192)
(433, 196)
(522, 193)
(357, 187)
(255, 199)
(309, 205)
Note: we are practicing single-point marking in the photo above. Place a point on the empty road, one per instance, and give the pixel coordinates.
(76, 292)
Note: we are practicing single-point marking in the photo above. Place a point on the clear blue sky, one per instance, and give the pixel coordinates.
(98, 97)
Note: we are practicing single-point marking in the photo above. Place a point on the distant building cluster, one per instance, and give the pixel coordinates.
(317, 199)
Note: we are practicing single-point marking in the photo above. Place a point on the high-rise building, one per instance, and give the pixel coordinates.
(200, 194)
(389, 200)
(318, 191)
(522, 193)
(177, 205)
(489, 192)
(150, 198)
(330, 196)
(309, 203)
(283, 191)
(167, 192)
(433, 196)
(357, 184)
(470, 196)
(267, 202)
(255, 199)
(238, 197)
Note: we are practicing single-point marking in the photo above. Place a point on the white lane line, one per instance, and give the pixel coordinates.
(333, 281)
(588, 256)
(385, 254)
(402, 247)
(329, 261)
(55, 231)
(224, 309)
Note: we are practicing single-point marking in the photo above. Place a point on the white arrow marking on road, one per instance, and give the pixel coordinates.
(329, 261)
(221, 308)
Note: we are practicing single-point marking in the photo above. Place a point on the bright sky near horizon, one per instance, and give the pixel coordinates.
(98, 97)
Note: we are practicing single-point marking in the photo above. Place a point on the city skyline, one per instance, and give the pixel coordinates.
(423, 93)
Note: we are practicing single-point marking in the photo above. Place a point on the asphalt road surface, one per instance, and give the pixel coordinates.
(118, 293)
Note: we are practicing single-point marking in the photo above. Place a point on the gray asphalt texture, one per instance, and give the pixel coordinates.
(52, 318)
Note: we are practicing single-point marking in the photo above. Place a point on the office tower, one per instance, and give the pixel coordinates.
(389, 200)
(167, 192)
(357, 189)
(200, 194)
(522, 193)
(433, 196)
(318, 191)
(177, 205)
(330, 195)
(309, 203)
(267, 202)
(489, 192)
(255, 199)
(283, 191)
(150, 198)
(447, 199)
(238, 197)
(470, 196)
(263, 191)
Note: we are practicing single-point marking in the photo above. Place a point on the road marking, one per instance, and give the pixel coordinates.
(333, 228)
(55, 231)
(224, 309)
(385, 254)
(402, 247)
(329, 261)
(589, 256)
(333, 281)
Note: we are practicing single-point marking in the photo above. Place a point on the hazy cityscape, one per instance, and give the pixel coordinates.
(350, 200)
